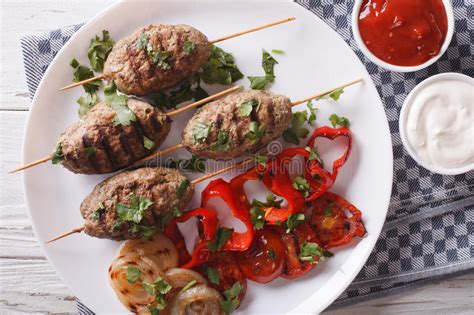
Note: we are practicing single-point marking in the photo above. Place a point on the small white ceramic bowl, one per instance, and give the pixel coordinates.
(404, 116)
(355, 31)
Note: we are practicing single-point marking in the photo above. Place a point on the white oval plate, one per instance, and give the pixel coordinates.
(315, 59)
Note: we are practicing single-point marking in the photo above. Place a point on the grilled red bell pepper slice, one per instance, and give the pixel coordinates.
(333, 133)
(331, 223)
(209, 223)
(219, 188)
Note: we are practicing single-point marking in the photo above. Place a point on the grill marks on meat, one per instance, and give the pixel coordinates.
(116, 146)
(274, 115)
(135, 73)
(158, 184)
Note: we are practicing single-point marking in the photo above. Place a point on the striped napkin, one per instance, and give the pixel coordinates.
(429, 231)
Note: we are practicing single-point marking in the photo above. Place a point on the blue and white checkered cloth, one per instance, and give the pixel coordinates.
(429, 231)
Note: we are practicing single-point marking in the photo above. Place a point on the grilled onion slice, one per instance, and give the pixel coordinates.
(132, 295)
(180, 277)
(198, 300)
(158, 248)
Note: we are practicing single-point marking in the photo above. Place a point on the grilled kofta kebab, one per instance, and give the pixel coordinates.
(131, 204)
(157, 57)
(96, 144)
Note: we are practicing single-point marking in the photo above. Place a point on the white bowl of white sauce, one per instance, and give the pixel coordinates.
(437, 123)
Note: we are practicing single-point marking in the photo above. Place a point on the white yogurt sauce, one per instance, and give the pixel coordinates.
(440, 123)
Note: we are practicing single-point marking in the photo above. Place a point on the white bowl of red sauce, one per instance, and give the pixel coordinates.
(403, 35)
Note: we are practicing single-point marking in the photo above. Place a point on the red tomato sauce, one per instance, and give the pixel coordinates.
(403, 32)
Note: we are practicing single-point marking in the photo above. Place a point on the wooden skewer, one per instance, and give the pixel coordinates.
(220, 39)
(70, 86)
(198, 180)
(24, 167)
(326, 92)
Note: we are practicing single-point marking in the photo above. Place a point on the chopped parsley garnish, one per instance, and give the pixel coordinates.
(82, 73)
(312, 113)
(86, 103)
(201, 132)
(271, 253)
(223, 143)
(255, 133)
(314, 155)
(148, 143)
(220, 68)
(190, 284)
(257, 213)
(194, 164)
(268, 65)
(246, 107)
(261, 159)
(223, 234)
(90, 151)
(158, 57)
(231, 302)
(133, 274)
(309, 251)
(300, 183)
(296, 129)
(123, 114)
(159, 288)
(57, 157)
(190, 89)
(99, 50)
(335, 95)
(339, 121)
(189, 47)
(183, 186)
(145, 232)
(278, 51)
(168, 216)
(135, 211)
(293, 221)
(97, 214)
(212, 275)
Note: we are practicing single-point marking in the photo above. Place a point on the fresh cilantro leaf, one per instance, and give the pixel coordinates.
(268, 65)
(309, 251)
(257, 216)
(300, 183)
(335, 95)
(183, 186)
(338, 120)
(90, 151)
(260, 82)
(201, 132)
(135, 211)
(212, 275)
(159, 286)
(190, 284)
(293, 221)
(153, 310)
(194, 164)
(223, 234)
(261, 159)
(246, 107)
(278, 51)
(97, 214)
(57, 157)
(312, 113)
(190, 89)
(160, 58)
(145, 231)
(271, 253)
(255, 133)
(123, 114)
(86, 103)
(82, 73)
(142, 41)
(220, 68)
(314, 155)
(168, 216)
(99, 51)
(231, 302)
(148, 143)
(296, 129)
(189, 47)
(133, 274)
(223, 143)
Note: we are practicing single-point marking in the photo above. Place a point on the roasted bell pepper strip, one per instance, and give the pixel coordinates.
(219, 188)
(332, 133)
(209, 223)
(331, 223)
(313, 169)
